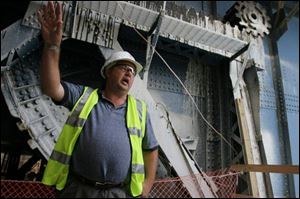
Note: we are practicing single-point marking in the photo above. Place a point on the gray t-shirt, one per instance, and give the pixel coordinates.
(102, 152)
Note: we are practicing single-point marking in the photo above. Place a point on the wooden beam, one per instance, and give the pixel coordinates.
(266, 168)
(243, 196)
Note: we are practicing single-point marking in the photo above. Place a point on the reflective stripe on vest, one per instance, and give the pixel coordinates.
(57, 169)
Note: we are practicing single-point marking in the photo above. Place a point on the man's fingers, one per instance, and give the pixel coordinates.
(46, 13)
(58, 12)
(59, 17)
(59, 26)
(59, 21)
(52, 11)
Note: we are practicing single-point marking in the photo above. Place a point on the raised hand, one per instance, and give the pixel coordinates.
(51, 23)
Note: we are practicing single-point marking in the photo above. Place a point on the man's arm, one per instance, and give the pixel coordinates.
(150, 162)
(51, 26)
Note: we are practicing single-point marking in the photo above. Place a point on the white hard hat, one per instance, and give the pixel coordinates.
(120, 56)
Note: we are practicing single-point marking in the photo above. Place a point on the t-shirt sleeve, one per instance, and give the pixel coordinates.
(72, 94)
(149, 141)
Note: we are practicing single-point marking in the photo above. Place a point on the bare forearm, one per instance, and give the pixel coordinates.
(51, 29)
(49, 72)
(150, 161)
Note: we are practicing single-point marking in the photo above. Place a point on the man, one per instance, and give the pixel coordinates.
(107, 147)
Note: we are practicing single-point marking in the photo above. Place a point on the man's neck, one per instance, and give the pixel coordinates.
(115, 99)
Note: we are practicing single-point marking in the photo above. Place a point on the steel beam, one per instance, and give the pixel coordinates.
(283, 129)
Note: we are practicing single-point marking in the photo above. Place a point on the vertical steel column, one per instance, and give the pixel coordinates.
(278, 30)
(283, 131)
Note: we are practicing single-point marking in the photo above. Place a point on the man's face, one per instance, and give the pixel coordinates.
(121, 75)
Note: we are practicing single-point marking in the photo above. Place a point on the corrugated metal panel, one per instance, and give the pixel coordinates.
(200, 35)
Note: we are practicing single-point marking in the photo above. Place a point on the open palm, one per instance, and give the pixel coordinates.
(51, 23)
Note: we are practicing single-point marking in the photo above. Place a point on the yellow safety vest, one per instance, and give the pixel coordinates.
(57, 169)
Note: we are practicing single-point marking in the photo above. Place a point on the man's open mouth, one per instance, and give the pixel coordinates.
(125, 81)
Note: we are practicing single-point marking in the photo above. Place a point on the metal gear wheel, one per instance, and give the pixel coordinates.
(253, 18)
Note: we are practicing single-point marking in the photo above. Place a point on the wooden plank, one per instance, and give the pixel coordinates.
(245, 128)
(267, 168)
(243, 196)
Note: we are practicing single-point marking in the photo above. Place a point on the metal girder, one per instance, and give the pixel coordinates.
(80, 23)
(23, 96)
(246, 121)
(281, 21)
(152, 39)
(285, 147)
(16, 37)
(210, 35)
